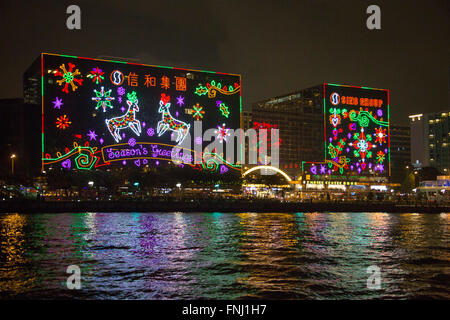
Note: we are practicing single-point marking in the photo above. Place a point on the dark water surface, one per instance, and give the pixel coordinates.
(225, 256)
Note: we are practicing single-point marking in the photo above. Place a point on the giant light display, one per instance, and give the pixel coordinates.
(356, 131)
(97, 114)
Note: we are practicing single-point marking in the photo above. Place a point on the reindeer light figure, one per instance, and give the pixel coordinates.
(127, 120)
(170, 123)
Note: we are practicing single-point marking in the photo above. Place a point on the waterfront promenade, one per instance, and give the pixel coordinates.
(216, 205)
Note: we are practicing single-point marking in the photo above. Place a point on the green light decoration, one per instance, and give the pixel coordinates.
(201, 90)
(364, 117)
(84, 161)
(132, 97)
(223, 108)
(212, 88)
(214, 161)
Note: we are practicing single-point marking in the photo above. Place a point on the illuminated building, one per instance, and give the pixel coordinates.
(331, 132)
(430, 140)
(299, 117)
(400, 152)
(98, 114)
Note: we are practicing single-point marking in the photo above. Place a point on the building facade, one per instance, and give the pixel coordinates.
(299, 118)
(430, 140)
(400, 151)
(331, 132)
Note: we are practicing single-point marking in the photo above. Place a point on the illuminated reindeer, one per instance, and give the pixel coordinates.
(128, 120)
(170, 123)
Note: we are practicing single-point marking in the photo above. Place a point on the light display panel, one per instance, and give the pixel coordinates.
(356, 131)
(97, 114)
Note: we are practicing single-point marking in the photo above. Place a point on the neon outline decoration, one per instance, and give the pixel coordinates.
(127, 120)
(170, 123)
(223, 108)
(116, 74)
(335, 118)
(97, 75)
(103, 99)
(363, 118)
(84, 161)
(198, 112)
(68, 77)
(63, 122)
(270, 168)
(57, 104)
(211, 88)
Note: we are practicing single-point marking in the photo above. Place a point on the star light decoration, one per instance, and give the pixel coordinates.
(103, 99)
(180, 101)
(57, 104)
(92, 135)
(222, 133)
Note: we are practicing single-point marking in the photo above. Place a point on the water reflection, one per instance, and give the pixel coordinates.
(224, 256)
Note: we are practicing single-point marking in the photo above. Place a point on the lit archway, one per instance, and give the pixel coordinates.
(269, 168)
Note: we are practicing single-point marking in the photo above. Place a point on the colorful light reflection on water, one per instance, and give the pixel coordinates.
(225, 256)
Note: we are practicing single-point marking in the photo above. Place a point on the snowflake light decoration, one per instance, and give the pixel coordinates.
(198, 112)
(103, 99)
(96, 75)
(57, 104)
(68, 77)
(362, 144)
(62, 122)
(222, 133)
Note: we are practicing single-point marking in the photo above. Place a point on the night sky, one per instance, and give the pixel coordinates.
(277, 46)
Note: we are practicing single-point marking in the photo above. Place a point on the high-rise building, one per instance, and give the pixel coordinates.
(430, 140)
(400, 151)
(299, 117)
(331, 131)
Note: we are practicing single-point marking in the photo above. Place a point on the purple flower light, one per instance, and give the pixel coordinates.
(132, 142)
(150, 132)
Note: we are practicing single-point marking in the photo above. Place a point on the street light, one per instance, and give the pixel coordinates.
(13, 156)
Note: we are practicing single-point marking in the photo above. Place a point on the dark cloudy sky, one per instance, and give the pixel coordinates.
(277, 46)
